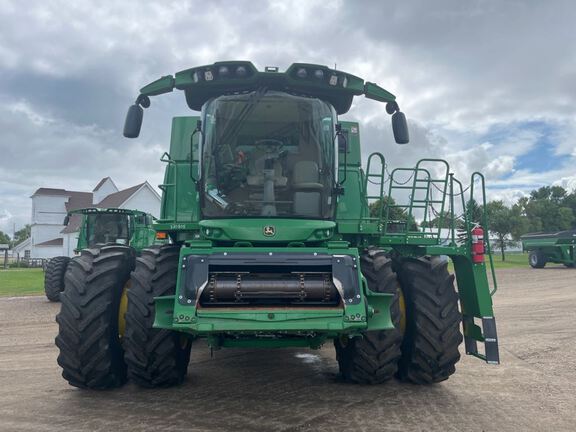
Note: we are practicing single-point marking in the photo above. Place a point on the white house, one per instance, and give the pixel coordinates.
(49, 237)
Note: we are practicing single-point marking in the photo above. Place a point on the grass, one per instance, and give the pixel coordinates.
(513, 260)
(21, 282)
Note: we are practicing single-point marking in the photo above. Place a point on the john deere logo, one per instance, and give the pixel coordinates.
(269, 231)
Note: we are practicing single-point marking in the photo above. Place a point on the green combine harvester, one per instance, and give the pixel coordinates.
(558, 248)
(279, 238)
(100, 226)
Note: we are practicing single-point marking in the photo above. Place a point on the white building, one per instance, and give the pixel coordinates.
(50, 238)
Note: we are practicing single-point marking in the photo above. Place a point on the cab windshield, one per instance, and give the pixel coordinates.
(268, 154)
(107, 228)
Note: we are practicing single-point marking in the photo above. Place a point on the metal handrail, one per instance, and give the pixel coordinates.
(484, 223)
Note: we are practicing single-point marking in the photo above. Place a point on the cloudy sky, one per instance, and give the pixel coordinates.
(487, 85)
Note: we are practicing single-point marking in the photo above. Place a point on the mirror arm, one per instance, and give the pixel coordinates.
(197, 130)
(340, 135)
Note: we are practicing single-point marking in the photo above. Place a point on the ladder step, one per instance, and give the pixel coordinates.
(474, 334)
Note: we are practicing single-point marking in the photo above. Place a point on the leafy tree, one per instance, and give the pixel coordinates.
(521, 223)
(443, 220)
(4, 238)
(546, 210)
(503, 221)
(21, 235)
(395, 214)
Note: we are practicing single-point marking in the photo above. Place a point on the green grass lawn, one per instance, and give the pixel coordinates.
(21, 282)
(513, 260)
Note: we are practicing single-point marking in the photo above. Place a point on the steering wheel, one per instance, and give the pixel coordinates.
(269, 145)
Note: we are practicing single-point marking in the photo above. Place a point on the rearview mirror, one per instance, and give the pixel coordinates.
(133, 121)
(66, 220)
(400, 128)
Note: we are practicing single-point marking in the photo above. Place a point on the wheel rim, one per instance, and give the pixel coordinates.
(122, 309)
(533, 259)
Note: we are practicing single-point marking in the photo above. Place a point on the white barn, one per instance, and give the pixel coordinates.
(50, 238)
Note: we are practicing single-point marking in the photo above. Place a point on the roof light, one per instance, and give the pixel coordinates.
(319, 73)
(241, 71)
(333, 80)
(208, 76)
(302, 73)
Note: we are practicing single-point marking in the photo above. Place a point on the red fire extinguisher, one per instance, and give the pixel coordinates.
(477, 244)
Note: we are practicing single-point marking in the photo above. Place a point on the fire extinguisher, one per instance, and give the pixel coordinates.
(477, 244)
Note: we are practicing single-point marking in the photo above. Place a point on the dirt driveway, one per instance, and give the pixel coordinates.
(297, 390)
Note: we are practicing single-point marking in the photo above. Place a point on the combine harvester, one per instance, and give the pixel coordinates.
(273, 242)
(556, 248)
(98, 227)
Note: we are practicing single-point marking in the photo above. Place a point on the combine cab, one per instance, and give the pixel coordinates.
(279, 238)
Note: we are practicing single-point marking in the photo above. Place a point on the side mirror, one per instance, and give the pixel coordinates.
(400, 128)
(133, 121)
(66, 220)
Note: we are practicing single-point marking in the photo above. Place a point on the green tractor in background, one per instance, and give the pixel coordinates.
(97, 227)
(279, 238)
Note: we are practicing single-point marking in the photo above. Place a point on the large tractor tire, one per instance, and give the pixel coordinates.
(432, 337)
(54, 277)
(155, 357)
(373, 358)
(537, 259)
(91, 318)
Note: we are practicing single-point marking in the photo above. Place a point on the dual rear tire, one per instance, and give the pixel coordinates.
(423, 346)
(54, 277)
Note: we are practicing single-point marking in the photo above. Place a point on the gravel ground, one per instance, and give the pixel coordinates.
(298, 390)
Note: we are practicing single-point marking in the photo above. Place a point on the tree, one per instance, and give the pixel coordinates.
(443, 220)
(21, 235)
(4, 238)
(549, 209)
(474, 212)
(395, 214)
(502, 222)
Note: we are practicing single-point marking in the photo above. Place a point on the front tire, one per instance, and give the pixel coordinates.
(373, 358)
(430, 347)
(91, 354)
(54, 277)
(155, 357)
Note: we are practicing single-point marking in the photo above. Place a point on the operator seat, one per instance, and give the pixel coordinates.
(255, 175)
(307, 189)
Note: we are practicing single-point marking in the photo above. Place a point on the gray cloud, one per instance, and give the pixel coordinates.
(460, 69)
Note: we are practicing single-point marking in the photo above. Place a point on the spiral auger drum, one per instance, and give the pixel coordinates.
(278, 236)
